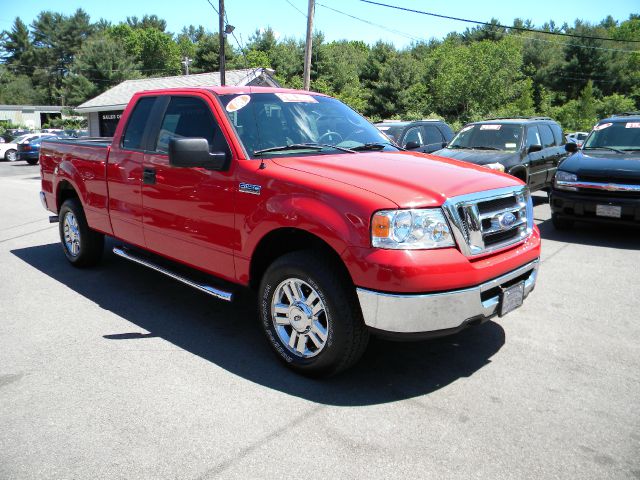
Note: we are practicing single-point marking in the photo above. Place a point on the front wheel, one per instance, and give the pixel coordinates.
(310, 314)
(82, 246)
(10, 155)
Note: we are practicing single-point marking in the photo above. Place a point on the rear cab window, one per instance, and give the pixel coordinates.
(133, 136)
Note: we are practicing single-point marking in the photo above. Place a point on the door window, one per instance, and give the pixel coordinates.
(546, 135)
(557, 134)
(533, 136)
(432, 135)
(189, 117)
(134, 133)
(413, 135)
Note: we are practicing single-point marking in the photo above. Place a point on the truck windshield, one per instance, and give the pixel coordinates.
(298, 123)
(624, 136)
(489, 137)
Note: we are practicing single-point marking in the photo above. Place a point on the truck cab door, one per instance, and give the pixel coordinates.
(189, 211)
(535, 159)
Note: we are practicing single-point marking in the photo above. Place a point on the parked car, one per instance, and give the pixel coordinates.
(601, 181)
(422, 136)
(29, 149)
(576, 137)
(295, 195)
(9, 150)
(527, 148)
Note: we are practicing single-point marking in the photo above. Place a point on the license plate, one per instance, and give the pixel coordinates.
(512, 298)
(611, 211)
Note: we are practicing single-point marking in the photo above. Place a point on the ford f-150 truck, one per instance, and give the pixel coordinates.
(293, 194)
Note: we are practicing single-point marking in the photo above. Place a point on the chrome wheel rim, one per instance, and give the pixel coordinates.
(299, 318)
(71, 234)
(11, 155)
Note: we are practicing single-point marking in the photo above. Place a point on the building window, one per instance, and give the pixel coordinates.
(108, 122)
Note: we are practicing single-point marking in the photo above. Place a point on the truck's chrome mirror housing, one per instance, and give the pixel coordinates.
(194, 152)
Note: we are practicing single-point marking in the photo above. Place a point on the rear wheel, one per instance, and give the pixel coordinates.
(82, 246)
(32, 162)
(560, 223)
(310, 314)
(10, 155)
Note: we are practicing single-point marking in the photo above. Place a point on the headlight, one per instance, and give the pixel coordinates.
(495, 166)
(564, 179)
(410, 229)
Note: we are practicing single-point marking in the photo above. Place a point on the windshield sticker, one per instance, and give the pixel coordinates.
(296, 98)
(238, 103)
(384, 129)
(602, 126)
(632, 125)
(468, 127)
(490, 127)
(509, 145)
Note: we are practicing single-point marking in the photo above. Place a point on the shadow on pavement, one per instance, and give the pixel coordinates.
(595, 235)
(229, 336)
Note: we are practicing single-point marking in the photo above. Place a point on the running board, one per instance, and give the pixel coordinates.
(214, 292)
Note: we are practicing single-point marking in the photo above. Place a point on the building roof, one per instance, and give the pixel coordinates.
(116, 98)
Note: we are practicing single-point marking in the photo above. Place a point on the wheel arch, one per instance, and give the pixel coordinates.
(64, 191)
(285, 240)
(521, 172)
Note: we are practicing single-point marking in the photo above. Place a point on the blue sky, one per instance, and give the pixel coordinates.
(399, 27)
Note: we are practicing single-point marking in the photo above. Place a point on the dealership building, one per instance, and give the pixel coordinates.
(104, 111)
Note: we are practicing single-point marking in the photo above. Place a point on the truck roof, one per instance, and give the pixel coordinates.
(218, 90)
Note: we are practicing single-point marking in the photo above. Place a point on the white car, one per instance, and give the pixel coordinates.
(8, 150)
(577, 137)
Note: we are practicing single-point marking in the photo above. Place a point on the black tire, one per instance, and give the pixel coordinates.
(86, 246)
(10, 155)
(32, 162)
(346, 335)
(560, 223)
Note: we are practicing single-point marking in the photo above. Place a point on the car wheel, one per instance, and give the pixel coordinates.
(560, 223)
(10, 155)
(82, 246)
(32, 162)
(310, 314)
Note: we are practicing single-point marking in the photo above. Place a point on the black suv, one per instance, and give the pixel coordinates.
(528, 148)
(601, 181)
(422, 135)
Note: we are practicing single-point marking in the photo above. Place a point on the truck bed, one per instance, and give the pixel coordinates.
(84, 141)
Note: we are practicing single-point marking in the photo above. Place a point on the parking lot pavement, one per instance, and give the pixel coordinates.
(120, 372)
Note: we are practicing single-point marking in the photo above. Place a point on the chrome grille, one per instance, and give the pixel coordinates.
(488, 221)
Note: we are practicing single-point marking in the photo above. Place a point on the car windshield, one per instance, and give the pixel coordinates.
(615, 135)
(21, 138)
(392, 131)
(489, 137)
(284, 123)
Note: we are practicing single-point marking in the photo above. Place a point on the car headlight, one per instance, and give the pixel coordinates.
(563, 179)
(411, 229)
(494, 166)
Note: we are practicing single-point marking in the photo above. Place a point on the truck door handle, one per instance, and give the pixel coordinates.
(149, 176)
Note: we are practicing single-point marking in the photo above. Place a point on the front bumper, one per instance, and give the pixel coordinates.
(581, 206)
(414, 314)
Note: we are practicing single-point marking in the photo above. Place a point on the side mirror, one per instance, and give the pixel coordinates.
(412, 145)
(444, 144)
(571, 147)
(534, 148)
(194, 152)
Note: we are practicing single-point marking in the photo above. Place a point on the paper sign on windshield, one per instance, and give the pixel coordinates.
(632, 125)
(238, 103)
(602, 127)
(296, 98)
(490, 127)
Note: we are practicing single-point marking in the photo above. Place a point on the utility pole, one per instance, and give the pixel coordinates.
(307, 48)
(221, 33)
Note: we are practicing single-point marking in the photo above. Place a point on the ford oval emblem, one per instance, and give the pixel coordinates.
(507, 220)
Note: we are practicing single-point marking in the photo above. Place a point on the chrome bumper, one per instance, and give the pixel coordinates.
(420, 313)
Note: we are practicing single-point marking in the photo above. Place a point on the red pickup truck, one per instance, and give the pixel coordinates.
(295, 195)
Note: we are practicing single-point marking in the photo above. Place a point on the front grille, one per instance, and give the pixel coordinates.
(492, 220)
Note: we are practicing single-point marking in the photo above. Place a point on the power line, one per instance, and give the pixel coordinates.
(488, 24)
(300, 11)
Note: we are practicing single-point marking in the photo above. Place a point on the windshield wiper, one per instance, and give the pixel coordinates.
(603, 148)
(293, 146)
(480, 147)
(369, 146)
(328, 145)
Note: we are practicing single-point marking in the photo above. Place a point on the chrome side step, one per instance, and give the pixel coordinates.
(214, 292)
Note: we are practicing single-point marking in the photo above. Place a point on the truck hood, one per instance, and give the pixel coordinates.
(603, 164)
(479, 157)
(407, 179)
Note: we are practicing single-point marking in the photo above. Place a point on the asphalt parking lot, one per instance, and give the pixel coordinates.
(120, 372)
